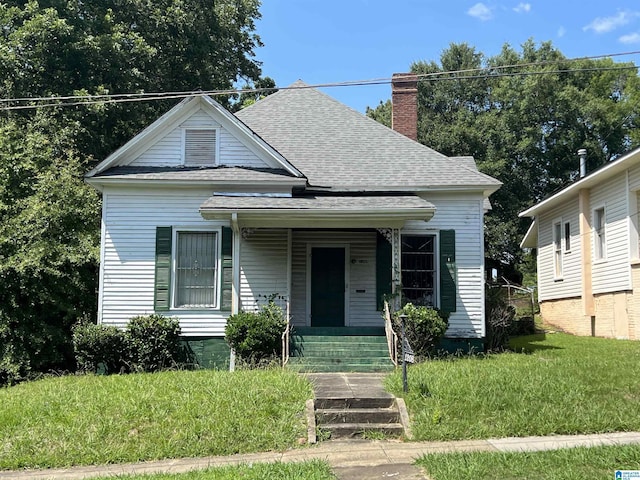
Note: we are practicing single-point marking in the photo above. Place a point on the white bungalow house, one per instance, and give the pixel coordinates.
(206, 213)
(588, 254)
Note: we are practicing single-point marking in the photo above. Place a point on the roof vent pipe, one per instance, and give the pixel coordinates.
(582, 153)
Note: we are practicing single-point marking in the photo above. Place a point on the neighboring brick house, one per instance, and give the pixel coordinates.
(206, 212)
(588, 253)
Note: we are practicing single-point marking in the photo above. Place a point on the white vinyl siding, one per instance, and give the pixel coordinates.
(571, 284)
(362, 274)
(264, 267)
(167, 151)
(127, 284)
(464, 214)
(614, 273)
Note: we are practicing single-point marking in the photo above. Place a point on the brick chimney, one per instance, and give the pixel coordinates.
(404, 100)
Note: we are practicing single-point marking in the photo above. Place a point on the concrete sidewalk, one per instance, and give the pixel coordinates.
(346, 456)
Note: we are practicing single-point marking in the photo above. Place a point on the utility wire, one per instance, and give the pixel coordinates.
(77, 100)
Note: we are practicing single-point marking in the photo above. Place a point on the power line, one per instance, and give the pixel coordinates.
(491, 72)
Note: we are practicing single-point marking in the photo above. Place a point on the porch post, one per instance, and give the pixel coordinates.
(396, 277)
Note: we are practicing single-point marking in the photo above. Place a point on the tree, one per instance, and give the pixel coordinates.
(49, 219)
(523, 116)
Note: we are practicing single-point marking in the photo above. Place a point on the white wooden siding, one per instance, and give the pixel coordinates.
(464, 214)
(614, 272)
(167, 151)
(362, 274)
(263, 267)
(570, 284)
(127, 284)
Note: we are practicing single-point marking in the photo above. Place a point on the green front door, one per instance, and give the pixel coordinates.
(327, 286)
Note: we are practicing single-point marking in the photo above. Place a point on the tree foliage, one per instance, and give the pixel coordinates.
(523, 115)
(49, 219)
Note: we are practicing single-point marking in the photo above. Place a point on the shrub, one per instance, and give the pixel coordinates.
(99, 348)
(256, 336)
(424, 327)
(499, 319)
(153, 343)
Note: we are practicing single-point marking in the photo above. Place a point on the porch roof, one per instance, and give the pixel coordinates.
(319, 211)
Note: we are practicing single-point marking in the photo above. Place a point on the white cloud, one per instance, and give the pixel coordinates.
(561, 32)
(481, 12)
(523, 8)
(607, 24)
(630, 38)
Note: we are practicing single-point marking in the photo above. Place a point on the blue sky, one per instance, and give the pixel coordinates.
(325, 41)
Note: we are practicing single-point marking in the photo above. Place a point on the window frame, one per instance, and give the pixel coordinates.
(216, 159)
(436, 262)
(174, 271)
(600, 234)
(557, 234)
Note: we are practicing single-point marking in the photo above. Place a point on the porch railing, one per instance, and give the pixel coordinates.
(392, 337)
(285, 340)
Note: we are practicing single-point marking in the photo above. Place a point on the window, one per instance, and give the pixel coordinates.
(418, 269)
(195, 269)
(567, 237)
(200, 147)
(600, 241)
(557, 249)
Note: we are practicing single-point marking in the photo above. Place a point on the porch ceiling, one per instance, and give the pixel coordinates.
(322, 211)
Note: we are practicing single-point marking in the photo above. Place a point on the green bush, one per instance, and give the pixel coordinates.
(99, 348)
(153, 343)
(256, 336)
(424, 327)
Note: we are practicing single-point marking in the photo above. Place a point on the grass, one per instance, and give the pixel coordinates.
(311, 470)
(557, 384)
(593, 463)
(82, 420)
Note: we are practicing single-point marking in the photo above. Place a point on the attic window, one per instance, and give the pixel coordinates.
(200, 147)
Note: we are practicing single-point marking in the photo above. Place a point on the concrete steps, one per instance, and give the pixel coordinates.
(336, 349)
(355, 405)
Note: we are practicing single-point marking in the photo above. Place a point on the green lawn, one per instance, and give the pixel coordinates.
(81, 420)
(597, 463)
(556, 384)
(312, 470)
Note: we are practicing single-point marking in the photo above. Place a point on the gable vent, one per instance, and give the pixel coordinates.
(200, 147)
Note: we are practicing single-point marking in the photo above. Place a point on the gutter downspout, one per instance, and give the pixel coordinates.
(235, 286)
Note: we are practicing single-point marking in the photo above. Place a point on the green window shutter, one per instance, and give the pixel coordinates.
(162, 289)
(383, 270)
(227, 269)
(448, 271)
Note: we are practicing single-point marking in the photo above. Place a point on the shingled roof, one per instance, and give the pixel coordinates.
(343, 150)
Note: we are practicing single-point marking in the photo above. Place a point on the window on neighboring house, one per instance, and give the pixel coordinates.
(419, 269)
(200, 147)
(195, 277)
(567, 237)
(557, 249)
(600, 241)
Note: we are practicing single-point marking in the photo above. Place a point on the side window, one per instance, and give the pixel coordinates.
(557, 249)
(567, 237)
(599, 232)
